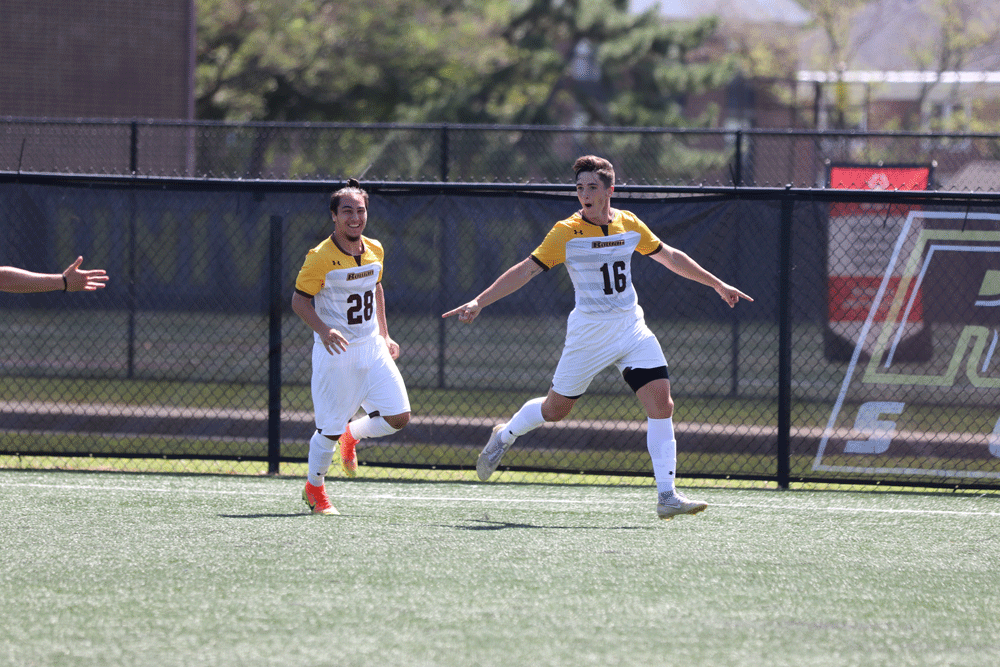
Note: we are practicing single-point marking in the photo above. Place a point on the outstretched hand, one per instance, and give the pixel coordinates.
(83, 281)
(466, 313)
(730, 294)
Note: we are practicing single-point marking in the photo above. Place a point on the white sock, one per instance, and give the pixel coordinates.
(371, 427)
(320, 456)
(663, 450)
(528, 418)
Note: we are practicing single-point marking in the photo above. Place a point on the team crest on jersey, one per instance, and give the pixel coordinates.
(607, 244)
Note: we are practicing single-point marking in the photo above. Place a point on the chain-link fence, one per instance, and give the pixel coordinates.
(482, 154)
(869, 354)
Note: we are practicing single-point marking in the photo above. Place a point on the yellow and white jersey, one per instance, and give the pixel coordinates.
(343, 287)
(599, 259)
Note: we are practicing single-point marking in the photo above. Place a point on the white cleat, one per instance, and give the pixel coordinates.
(490, 457)
(670, 504)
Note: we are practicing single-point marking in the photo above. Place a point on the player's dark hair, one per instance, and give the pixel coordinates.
(352, 187)
(603, 168)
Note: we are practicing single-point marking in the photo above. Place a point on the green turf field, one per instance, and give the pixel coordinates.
(120, 569)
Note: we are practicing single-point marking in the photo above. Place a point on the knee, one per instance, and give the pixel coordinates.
(398, 421)
(663, 410)
(656, 399)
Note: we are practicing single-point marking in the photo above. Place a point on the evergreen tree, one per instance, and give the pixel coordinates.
(461, 61)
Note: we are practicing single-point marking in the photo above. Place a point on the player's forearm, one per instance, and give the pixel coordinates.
(314, 322)
(20, 281)
(512, 280)
(681, 263)
(383, 323)
(307, 313)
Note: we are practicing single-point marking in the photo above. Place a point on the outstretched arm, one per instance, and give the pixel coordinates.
(681, 263)
(72, 279)
(512, 280)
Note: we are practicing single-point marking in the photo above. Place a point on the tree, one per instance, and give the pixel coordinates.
(325, 60)
(491, 61)
(640, 70)
(932, 37)
(428, 61)
(840, 33)
(354, 61)
(963, 30)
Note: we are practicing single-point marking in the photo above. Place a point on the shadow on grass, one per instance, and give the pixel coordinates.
(476, 524)
(487, 524)
(288, 515)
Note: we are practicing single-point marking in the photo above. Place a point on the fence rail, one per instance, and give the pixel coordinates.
(483, 154)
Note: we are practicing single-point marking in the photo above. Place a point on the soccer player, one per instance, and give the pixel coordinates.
(606, 325)
(20, 281)
(338, 293)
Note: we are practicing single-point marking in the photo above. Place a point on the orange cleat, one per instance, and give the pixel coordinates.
(318, 501)
(348, 454)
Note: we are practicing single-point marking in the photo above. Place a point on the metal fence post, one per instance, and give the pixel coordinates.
(738, 159)
(785, 343)
(734, 322)
(133, 164)
(131, 297)
(274, 347)
(444, 264)
(444, 153)
(133, 149)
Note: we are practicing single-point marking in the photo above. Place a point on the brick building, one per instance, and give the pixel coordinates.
(97, 59)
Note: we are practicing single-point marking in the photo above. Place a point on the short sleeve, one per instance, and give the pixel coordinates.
(311, 275)
(649, 243)
(552, 250)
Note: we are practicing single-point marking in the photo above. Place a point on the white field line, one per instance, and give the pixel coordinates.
(496, 500)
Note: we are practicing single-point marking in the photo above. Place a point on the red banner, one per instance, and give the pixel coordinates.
(876, 178)
(851, 299)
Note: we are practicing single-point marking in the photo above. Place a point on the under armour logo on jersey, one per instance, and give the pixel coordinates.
(335, 262)
(578, 231)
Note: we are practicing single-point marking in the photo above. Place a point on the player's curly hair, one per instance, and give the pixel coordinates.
(352, 187)
(603, 168)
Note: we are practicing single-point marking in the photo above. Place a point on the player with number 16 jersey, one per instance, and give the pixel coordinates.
(606, 326)
(587, 248)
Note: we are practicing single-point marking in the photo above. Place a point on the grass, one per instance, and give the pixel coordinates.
(123, 569)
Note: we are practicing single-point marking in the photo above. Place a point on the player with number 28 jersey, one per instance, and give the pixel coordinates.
(338, 294)
(343, 286)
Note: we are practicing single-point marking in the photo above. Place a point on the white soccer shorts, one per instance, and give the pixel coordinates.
(595, 342)
(362, 376)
